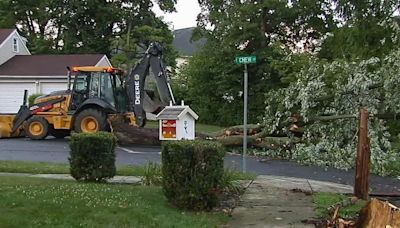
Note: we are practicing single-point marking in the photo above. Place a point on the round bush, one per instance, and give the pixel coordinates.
(192, 172)
(92, 156)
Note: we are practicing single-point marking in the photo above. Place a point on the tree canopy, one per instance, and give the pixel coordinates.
(282, 34)
(88, 26)
(268, 29)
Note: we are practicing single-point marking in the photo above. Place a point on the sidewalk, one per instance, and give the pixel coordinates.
(274, 201)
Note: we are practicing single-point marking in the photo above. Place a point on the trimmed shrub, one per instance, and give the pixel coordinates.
(192, 171)
(32, 98)
(92, 156)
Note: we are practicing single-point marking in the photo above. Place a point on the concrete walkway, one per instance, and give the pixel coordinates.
(274, 201)
(115, 180)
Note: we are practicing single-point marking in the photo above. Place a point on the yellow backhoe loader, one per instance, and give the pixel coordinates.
(95, 97)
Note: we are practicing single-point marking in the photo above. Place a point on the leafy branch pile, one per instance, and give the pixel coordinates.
(322, 107)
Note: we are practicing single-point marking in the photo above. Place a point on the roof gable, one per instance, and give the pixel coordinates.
(175, 113)
(46, 65)
(183, 42)
(4, 34)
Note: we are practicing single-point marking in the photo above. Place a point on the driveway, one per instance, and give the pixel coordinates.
(56, 150)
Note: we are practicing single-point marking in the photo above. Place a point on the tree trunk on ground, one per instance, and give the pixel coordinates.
(258, 142)
(128, 134)
(379, 214)
(252, 129)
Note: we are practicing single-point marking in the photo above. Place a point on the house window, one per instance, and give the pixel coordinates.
(15, 45)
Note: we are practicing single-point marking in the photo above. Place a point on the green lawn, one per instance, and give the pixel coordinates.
(48, 167)
(324, 200)
(34, 202)
(200, 128)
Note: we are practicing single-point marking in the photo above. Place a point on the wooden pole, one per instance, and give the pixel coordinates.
(363, 158)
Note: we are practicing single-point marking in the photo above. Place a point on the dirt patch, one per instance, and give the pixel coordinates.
(128, 134)
(229, 199)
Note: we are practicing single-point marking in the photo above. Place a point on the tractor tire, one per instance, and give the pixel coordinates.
(36, 128)
(91, 121)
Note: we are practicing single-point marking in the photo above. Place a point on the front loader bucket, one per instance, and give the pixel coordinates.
(6, 125)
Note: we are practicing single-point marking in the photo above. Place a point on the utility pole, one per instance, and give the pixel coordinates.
(363, 161)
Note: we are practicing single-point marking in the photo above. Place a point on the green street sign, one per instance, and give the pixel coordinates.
(246, 59)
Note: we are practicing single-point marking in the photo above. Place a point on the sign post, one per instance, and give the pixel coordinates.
(245, 60)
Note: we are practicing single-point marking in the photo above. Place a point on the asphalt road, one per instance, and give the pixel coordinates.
(56, 150)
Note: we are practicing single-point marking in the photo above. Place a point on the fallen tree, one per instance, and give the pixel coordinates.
(257, 142)
(375, 213)
(322, 108)
(379, 214)
(128, 134)
(238, 130)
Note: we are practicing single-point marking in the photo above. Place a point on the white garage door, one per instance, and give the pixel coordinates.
(48, 87)
(12, 94)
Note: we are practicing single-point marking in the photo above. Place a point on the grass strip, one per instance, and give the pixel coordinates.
(58, 168)
(36, 202)
(325, 200)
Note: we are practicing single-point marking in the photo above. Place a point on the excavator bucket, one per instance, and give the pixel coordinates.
(10, 125)
(6, 125)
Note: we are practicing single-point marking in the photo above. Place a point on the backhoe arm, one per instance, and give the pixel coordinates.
(136, 80)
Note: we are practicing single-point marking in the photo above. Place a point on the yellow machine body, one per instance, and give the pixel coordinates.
(58, 117)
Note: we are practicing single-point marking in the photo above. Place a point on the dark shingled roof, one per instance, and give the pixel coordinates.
(170, 113)
(46, 65)
(4, 33)
(183, 44)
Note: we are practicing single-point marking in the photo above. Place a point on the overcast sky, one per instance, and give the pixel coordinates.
(187, 11)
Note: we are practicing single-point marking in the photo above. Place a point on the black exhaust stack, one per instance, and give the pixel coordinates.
(69, 78)
(25, 98)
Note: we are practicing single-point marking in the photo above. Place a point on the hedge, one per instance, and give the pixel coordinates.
(92, 156)
(31, 98)
(192, 172)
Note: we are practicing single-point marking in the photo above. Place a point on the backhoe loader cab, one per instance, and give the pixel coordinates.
(103, 86)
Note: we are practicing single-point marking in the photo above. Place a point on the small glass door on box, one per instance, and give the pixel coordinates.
(169, 129)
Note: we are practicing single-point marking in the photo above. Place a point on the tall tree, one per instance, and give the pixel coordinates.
(85, 26)
(139, 27)
(267, 29)
(33, 19)
(365, 29)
